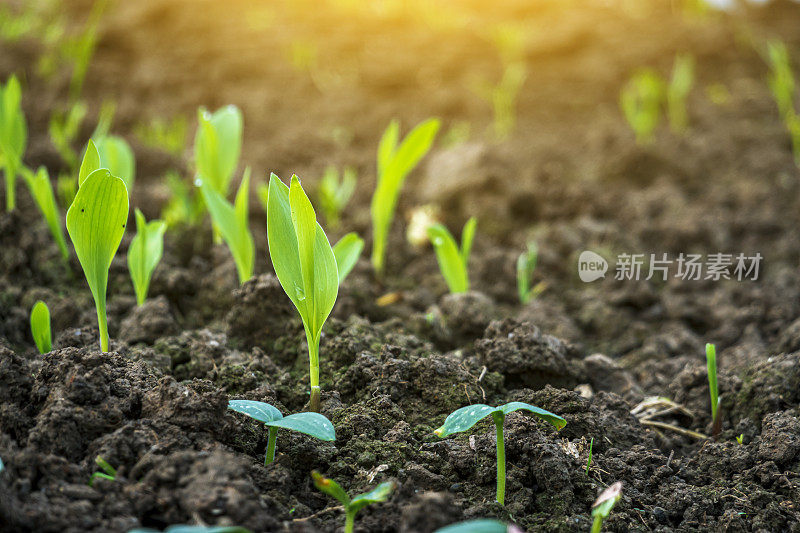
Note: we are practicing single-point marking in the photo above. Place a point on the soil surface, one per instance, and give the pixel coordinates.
(570, 176)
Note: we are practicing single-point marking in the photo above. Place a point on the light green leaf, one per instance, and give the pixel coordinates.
(284, 251)
(347, 252)
(379, 494)
(42, 192)
(13, 136)
(314, 424)
(464, 418)
(40, 327)
(144, 253)
(217, 146)
(467, 236)
(116, 155)
(331, 488)
(388, 146)
(547, 416)
(90, 163)
(449, 258)
(481, 525)
(95, 223)
(261, 411)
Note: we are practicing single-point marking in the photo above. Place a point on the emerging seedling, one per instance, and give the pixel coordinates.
(603, 505)
(95, 223)
(313, 424)
(395, 162)
(116, 155)
(503, 97)
(334, 193)
(232, 223)
(108, 471)
(42, 192)
(63, 130)
(466, 417)
(217, 146)
(347, 251)
(13, 136)
(782, 84)
(678, 90)
(144, 253)
(711, 365)
(40, 327)
(526, 265)
(352, 506)
(481, 525)
(304, 264)
(589, 461)
(453, 261)
(640, 101)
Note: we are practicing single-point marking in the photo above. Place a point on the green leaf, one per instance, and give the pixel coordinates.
(13, 135)
(464, 418)
(144, 253)
(711, 367)
(388, 146)
(90, 163)
(379, 494)
(449, 258)
(347, 252)
(607, 500)
(42, 192)
(314, 424)
(261, 411)
(218, 145)
(40, 327)
(467, 236)
(526, 264)
(475, 526)
(194, 529)
(116, 155)
(95, 223)
(233, 225)
(547, 416)
(331, 488)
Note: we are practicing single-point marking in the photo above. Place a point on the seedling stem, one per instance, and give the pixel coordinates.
(499, 418)
(272, 439)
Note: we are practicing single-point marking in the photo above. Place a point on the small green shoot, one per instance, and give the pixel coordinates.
(167, 135)
(217, 146)
(589, 461)
(604, 504)
(464, 418)
(184, 206)
(63, 130)
(313, 424)
(640, 101)
(232, 223)
(40, 327)
(481, 525)
(526, 265)
(740, 439)
(711, 365)
(352, 506)
(453, 261)
(334, 193)
(42, 191)
(347, 251)
(304, 263)
(116, 155)
(108, 471)
(395, 161)
(678, 90)
(13, 136)
(144, 253)
(504, 99)
(95, 223)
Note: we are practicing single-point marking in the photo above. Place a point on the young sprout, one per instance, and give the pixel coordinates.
(313, 424)
(466, 417)
(169, 135)
(711, 366)
(184, 205)
(504, 98)
(42, 192)
(589, 461)
(782, 84)
(40, 327)
(95, 223)
(108, 471)
(453, 261)
(526, 265)
(601, 508)
(740, 438)
(481, 525)
(334, 193)
(217, 146)
(678, 90)
(304, 264)
(232, 223)
(395, 162)
(347, 251)
(63, 130)
(116, 155)
(144, 253)
(640, 101)
(352, 506)
(13, 136)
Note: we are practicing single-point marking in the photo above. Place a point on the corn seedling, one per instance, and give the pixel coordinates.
(232, 223)
(79, 50)
(352, 505)
(678, 90)
(108, 471)
(481, 525)
(711, 366)
(42, 191)
(782, 84)
(217, 146)
(347, 251)
(63, 130)
(313, 424)
(40, 327)
(395, 161)
(95, 223)
(195, 529)
(589, 461)
(526, 265)
(453, 261)
(116, 155)
(168, 135)
(66, 189)
(463, 419)
(304, 263)
(184, 205)
(144, 253)
(740, 439)
(504, 99)
(604, 504)
(334, 193)
(13, 136)
(640, 101)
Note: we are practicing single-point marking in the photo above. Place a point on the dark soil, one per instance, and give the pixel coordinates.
(570, 176)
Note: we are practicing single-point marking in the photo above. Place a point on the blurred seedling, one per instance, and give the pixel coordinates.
(334, 193)
(347, 251)
(352, 506)
(42, 191)
(13, 136)
(40, 327)
(589, 461)
(453, 261)
(313, 424)
(640, 101)
(503, 98)
(79, 49)
(144, 253)
(602, 507)
(232, 223)
(108, 471)
(96, 222)
(167, 135)
(304, 263)
(526, 265)
(395, 161)
(464, 418)
(782, 84)
(711, 366)
(63, 129)
(184, 206)
(678, 90)
(481, 525)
